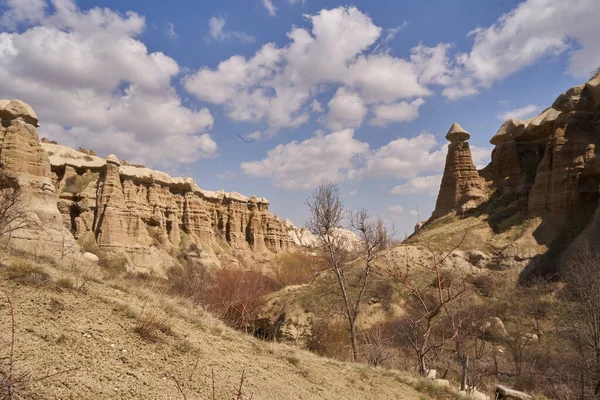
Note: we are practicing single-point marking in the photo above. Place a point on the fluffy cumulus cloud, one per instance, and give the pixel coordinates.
(421, 184)
(303, 165)
(405, 158)
(385, 114)
(533, 30)
(119, 100)
(343, 49)
(346, 110)
(519, 113)
(278, 85)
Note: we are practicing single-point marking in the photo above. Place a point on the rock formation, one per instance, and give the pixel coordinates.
(131, 209)
(23, 158)
(542, 170)
(461, 187)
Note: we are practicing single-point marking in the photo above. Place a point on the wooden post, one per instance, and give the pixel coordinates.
(465, 372)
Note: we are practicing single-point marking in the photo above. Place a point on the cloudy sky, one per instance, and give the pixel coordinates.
(269, 97)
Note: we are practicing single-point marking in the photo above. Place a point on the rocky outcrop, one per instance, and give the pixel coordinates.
(132, 209)
(23, 158)
(461, 187)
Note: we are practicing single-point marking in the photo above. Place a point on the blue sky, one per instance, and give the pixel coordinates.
(359, 93)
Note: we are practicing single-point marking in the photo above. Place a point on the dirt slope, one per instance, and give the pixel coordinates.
(64, 321)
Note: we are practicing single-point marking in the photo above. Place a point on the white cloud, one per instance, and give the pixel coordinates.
(520, 38)
(397, 112)
(414, 212)
(303, 165)
(118, 100)
(396, 208)
(23, 11)
(519, 113)
(170, 30)
(405, 158)
(353, 193)
(346, 110)
(278, 85)
(256, 135)
(271, 9)
(315, 106)
(421, 184)
(216, 26)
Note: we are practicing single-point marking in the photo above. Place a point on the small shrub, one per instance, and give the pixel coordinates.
(484, 284)
(293, 360)
(294, 268)
(236, 295)
(150, 322)
(28, 273)
(330, 339)
(189, 280)
(113, 265)
(65, 283)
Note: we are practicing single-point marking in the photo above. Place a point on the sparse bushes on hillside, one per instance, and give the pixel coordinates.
(189, 280)
(295, 268)
(235, 295)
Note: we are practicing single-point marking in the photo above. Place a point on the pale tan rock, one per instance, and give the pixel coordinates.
(19, 109)
(512, 129)
(590, 95)
(22, 157)
(461, 187)
(567, 101)
(540, 127)
(457, 133)
(130, 209)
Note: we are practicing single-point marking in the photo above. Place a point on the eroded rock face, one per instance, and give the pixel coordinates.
(132, 209)
(22, 157)
(461, 187)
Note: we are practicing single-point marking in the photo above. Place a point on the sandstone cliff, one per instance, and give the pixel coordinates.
(132, 209)
(24, 159)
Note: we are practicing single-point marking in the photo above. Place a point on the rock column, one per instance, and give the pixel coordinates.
(461, 187)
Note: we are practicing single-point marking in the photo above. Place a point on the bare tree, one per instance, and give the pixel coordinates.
(427, 305)
(327, 214)
(13, 213)
(583, 284)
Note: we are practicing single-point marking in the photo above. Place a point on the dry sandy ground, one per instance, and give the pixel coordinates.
(91, 329)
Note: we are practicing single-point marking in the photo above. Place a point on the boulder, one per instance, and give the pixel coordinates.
(540, 127)
(589, 99)
(17, 109)
(503, 392)
(91, 257)
(512, 129)
(567, 101)
(474, 395)
(494, 328)
(431, 374)
(442, 383)
(457, 133)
